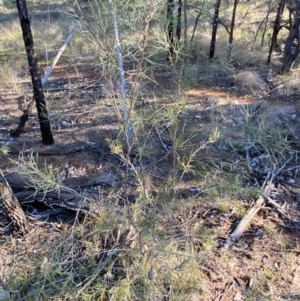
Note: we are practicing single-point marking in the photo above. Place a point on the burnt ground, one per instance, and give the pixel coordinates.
(83, 114)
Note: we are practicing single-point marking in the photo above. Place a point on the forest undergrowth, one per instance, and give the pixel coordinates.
(144, 200)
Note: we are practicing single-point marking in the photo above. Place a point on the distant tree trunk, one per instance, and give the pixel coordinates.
(178, 28)
(276, 29)
(290, 54)
(34, 72)
(214, 30)
(266, 23)
(195, 26)
(263, 22)
(170, 29)
(185, 25)
(235, 4)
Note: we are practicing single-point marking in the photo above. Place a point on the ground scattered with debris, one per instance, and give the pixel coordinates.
(242, 139)
(202, 204)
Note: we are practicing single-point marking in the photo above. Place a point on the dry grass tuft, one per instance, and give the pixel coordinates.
(250, 82)
(9, 78)
(287, 84)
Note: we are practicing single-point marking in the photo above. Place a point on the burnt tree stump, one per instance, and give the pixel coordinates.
(12, 208)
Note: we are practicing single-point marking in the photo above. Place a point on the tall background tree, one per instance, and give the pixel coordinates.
(292, 45)
(235, 5)
(214, 30)
(276, 28)
(170, 29)
(178, 27)
(34, 72)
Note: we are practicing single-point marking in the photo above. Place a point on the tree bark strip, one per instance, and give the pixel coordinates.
(34, 72)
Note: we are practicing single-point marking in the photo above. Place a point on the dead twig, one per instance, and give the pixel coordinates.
(277, 207)
(101, 266)
(243, 224)
(259, 203)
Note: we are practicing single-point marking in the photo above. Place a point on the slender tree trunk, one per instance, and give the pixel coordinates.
(258, 30)
(185, 25)
(34, 72)
(214, 30)
(170, 29)
(290, 54)
(276, 28)
(235, 5)
(178, 28)
(195, 26)
(266, 23)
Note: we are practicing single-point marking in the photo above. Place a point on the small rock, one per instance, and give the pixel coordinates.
(237, 297)
(291, 181)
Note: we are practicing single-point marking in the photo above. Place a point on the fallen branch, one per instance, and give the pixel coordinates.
(278, 207)
(111, 178)
(71, 201)
(24, 118)
(60, 52)
(260, 202)
(243, 224)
